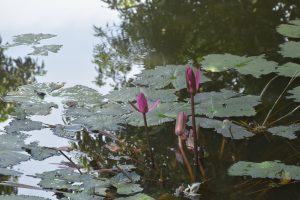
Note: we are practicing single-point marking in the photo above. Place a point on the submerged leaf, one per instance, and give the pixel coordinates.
(285, 131)
(266, 169)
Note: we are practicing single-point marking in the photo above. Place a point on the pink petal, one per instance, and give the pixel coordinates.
(190, 80)
(142, 103)
(180, 123)
(197, 79)
(154, 105)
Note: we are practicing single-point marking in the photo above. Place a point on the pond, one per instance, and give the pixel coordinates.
(76, 79)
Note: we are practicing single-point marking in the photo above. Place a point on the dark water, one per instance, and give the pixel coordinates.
(164, 32)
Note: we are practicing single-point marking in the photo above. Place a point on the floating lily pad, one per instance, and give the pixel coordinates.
(31, 97)
(8, 172)
(225, 103)
(254, 65)
(226, 128)
(121, 178)
(266, 169)
(164, 112)
(295, 94)
(127, 188)
(163, 76)
(80, 95)
(290, 49)
(140, 196)
(20, 197)
(45, 49)
(289, 69)
(290, 30)
(285, 131)
(29, 39)
(82, 196)
(23, 125)
(40, 153)
(129, 94)
(66, 131)
(11, 150)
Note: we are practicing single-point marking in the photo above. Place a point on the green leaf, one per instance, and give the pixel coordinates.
(126, 94)
(163, 76)
(254, 65)
(266, 169)
(68, 132)
(289, 69)
(127, 188)
(285, 131)
(23, 125)
(29, 39)
(8, 172)
(226, 128)
(45, 49)
(20, 197)
(292, 29)
(295, 94)
(290, 49)
(40, 153)
(225, 103)
(140, 196)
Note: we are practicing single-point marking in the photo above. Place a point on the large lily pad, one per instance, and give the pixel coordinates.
(23, 125)
(20, 197)
(292, 29)
(254, 65)
(40, 153)
(290, 49)
(139, 196)
(11, 150)
(288, 69)
(266, 169)
(127, 188)
(295, 94)
(8, 172)
(129, 94)
(45, 49)
(163, 76)
(285, 131)
(225, 103)
(225, 128)
(164, 112)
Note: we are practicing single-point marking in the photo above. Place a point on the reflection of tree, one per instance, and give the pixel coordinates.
(13, 73)
(178, 31)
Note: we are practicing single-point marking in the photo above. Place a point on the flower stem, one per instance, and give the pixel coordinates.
(196, 157)
(186, 162)
(148, 140)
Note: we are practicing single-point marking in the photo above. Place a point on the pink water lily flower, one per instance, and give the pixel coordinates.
(180, 123)
(142, 104)
(192, 81)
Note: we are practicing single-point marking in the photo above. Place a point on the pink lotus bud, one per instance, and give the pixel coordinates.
(142, 103)
(180, 123)
(192, 82)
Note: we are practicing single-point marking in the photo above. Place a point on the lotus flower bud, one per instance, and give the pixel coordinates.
(180, 123)
(142, 103)
(192, 81)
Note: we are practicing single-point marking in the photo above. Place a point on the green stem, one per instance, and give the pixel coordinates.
(196, 157)
(148, 140)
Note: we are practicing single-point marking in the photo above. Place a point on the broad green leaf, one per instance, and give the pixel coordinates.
(23, 125)
(140, 196)
(289, 69)
(292, 29)
(285, 131)
(254, 65)
(164, 112)
(290, 49)
(45, 49)
(20, 197)
(226, 128)
(40, 153)
(82, 196)
(121, 178)
(295, 94)
(266, 169)
(68, 132)
(126, 94)
(225, 103)
(127, 188)
(8, 172)
(163, 76)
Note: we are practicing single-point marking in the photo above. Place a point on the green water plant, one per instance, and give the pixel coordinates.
(142, 107)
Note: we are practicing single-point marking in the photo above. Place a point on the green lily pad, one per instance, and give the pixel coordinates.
(140, 196)
(285, 131)
(266, 169)
(225, 103)
(290, 49)
(295, 94)
(127, 188)
(40, 153)
(23, 125)
(31, 97)
(82, 196)
(20, 197)
(29, 39)
(292, 29)
(164, 112)
(254, 65)
(68, 132)
(45, 49)
(121, 178)
(80, 96)
(225, 128)
(289, 69)
(129, 94)
(163, 76)
(8, 172)
(11, 150)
